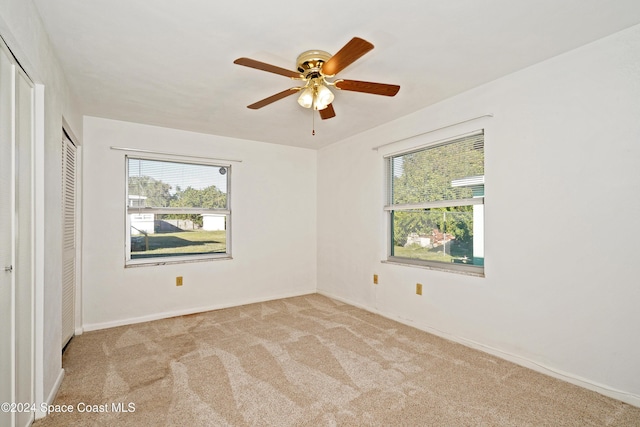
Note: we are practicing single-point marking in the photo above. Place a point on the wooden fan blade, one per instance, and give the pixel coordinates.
(247, 62)
(346, 56)
(273, 98)
(367, 87)
(327, 113)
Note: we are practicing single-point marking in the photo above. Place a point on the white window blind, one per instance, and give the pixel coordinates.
(440, 175)
(153, 185)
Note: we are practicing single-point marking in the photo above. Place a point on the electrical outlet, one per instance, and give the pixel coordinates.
(179, 281)
(375, 279)
(418, 288)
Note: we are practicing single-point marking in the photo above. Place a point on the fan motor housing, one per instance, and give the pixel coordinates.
(309, 63)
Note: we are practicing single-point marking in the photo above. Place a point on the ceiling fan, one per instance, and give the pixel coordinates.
(314, 69)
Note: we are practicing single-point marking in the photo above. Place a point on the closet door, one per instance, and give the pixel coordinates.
(68, 239)
(16, 241)
(7, 246)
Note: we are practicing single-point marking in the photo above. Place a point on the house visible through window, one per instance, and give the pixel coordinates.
(436, 205)
(176, 211)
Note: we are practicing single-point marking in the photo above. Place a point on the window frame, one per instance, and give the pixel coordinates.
(175, 259)
(390, 208)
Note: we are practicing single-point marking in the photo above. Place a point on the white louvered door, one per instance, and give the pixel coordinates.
(68, 239)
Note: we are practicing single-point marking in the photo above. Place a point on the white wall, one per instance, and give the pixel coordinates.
(561, 289)
(24, 33)
(273, 202)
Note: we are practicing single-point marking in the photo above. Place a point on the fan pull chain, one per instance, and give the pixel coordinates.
(313, 122)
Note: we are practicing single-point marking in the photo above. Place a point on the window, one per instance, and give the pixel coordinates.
(176, 211)
(436, 205)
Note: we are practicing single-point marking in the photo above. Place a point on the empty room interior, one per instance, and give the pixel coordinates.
(343, 213)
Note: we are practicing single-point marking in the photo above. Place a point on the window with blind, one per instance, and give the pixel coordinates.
(176, 211)
(436, 204)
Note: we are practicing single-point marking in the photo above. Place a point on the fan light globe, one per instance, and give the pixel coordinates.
(324, 97)
(306, 98)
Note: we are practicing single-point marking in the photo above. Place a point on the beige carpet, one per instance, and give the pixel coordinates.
(308, 361)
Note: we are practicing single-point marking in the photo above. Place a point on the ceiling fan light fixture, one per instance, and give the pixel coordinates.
(313, 69)
(306, 98)
(324, 97)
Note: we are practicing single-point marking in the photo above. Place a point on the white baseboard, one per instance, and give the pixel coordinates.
(630, 398)
(168, 314)
(52, 394)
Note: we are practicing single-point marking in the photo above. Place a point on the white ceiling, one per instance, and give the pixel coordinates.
(170, 63)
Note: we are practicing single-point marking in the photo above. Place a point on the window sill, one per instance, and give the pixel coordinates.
(464, 270)
(173, 260)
